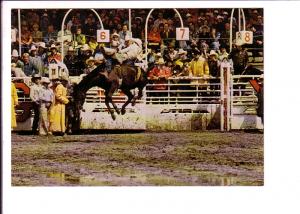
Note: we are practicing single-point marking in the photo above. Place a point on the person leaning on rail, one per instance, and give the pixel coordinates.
(34, 95)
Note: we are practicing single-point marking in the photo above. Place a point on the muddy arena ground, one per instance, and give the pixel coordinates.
(139, 159)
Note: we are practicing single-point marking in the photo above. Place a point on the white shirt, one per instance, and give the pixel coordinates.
(46, 94)
(34, 92)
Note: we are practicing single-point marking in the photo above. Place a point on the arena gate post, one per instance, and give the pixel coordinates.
(226, 89)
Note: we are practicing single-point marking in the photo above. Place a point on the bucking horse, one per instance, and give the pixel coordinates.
(123, 77)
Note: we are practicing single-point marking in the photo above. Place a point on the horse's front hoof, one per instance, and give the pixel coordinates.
(118, 112)
(113, 116)
(133, 103)
(123, 111)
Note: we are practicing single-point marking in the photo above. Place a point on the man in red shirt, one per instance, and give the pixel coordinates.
(159, 75)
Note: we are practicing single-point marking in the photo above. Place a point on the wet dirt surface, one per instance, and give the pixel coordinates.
(139, 159)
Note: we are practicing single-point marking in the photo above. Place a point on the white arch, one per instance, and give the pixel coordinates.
(146, 30)
(62, 30)
(244, 24)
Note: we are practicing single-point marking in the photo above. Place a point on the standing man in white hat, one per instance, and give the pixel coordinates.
(34, 95)
(46, 97)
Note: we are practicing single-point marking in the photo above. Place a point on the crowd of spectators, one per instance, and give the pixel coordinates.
(208, 28)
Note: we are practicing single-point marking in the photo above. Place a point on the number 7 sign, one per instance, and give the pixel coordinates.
(182, 34)
(102, 35)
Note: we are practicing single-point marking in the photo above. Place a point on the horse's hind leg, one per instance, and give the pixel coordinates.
(139, 96)
(107, 100)
(130, 96)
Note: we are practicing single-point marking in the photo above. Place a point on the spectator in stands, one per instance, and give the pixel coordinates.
(57, 111)
(37, 36)
(44, 22)
(159, 75)
(139, 27)
(29, 68)
(15, 59)
(67, 38)
(54, 56)
(93, 43)
(51, 35)
(46, 98)
(167, 36)
(73, 24)
(154, 38)
(159, 20)
(35, 59)
(214, 70)
(89, 29)
(172, 54)
(43, 53)
(182, 57)
(79, 37)
(239, 58)
(26, 38)
(223, 54)
(14, 103)
(90, 65)
(199, 68)
(125, 33)
(71, 61)
(34, 95)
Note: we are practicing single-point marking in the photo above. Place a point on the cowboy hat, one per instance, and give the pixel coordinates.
(42, 45)
(213, 52)
(181, 51)
(89, 60)
(160, 61)
(85, 47)
(115, 34)
(33, 48)
(45, 80)
(35, 76)
(15, 53)
(70, 48)
(53, 46)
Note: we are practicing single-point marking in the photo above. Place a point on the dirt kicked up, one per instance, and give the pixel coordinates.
(139, 159)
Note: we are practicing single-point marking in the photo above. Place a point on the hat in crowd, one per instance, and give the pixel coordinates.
(35, 25)
(53, 46)
(85, 47)
(171, 45)
(151, 17)
(255, 11)
(45, 80)
(158, 54)
(70, 48)
(220, 17)
(13, 65)
(15, 53)
(42, 45)
(176, 15)
(45, 14)
(115, 34)
(181, 51)
(33, 48)
(213, 52)
(99, 57)
(91, 59)
(160, 61)
(216, 11)
(225, 13)
(188, 15)
(35, 76)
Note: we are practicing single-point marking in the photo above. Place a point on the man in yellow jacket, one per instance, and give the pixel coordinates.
(199, 68)
(14, 103)
(57, 111)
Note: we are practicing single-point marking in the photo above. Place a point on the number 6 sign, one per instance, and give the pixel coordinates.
(182, 34)
(102, 35)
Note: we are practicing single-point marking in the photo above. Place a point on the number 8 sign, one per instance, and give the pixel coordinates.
(245, 36)
(102, 35)
(182, 34)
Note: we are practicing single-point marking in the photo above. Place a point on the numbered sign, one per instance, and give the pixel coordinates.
(245, 37)
(102, 35)
(182, 33)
